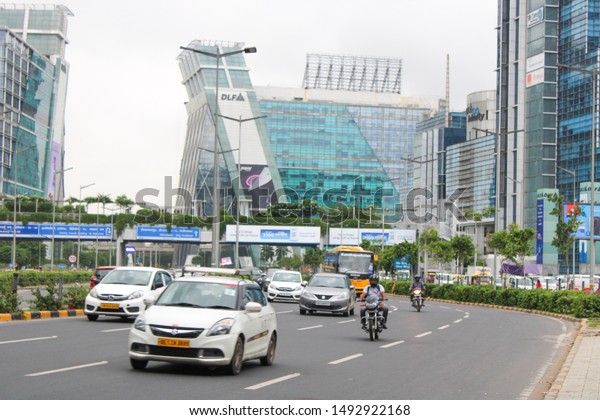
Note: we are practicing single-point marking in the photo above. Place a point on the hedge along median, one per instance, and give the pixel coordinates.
(75, 288)
(564, 302)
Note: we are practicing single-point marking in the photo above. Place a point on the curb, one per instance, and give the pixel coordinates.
(554, 390)
(29, 315)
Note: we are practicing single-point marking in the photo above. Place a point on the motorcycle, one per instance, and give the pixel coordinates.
(374, 316)
(417, 299)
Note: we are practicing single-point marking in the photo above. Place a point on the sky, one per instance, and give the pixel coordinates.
(125, 115)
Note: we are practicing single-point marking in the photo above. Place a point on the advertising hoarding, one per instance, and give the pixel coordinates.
(292, 235)
(338, 236)
(61, 231)
(160, 232)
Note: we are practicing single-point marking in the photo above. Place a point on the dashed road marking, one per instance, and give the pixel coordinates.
(457, 321)
(345, 322)
(445, 307)
(345, 359)
(28, 339)
(443, 327)
(309, 328)
(284, 312)
(67, 369)
(116, 329)
(272, 381)
(395, 343)
(423, 335)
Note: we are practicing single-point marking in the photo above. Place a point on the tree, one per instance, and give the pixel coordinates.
(443, 251)
(565, 231)
(267, 253)
(103, 199)
(314, 258)
(514, 244)
(463, 248)
(124, 203)
(280, 253)
(427, 240)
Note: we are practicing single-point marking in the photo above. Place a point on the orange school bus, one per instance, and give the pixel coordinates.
(353, 261)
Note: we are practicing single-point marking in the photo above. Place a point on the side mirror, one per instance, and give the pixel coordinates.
(149, 301)
(253, 307)
(352, 287)
(303, 284)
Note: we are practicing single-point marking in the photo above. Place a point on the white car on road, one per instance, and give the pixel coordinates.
(205, 320)
(121, 292)
(285, 285)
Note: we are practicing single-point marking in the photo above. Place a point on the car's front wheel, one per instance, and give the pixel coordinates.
(267, 360)
(92, 317)
(302, 311)
(235, 366)
(138, 364)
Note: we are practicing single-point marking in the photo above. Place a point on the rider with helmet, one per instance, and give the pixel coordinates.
(375, 289)
(417, 284)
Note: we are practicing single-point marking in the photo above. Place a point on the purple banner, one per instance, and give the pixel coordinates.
(539, 237)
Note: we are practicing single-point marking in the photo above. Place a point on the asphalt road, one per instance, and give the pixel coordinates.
(447, 351)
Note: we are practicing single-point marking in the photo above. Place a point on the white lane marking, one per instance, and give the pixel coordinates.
(459, 310)
(273, 381)
(117, 329)
(66, 369)
(345, 359)
(443, 327)
(395, 343)
(393, 308)
(309, 328)
(466, 316)
(457, 321)
(284, 312)
(28, 339)
(423, 335)
(345, 322)
(445, 307)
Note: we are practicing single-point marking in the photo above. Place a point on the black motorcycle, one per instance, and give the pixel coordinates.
(374, 316)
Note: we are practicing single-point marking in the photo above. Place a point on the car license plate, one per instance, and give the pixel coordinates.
(285, 294)
(173, 342)
(323, 303)
(109, 306)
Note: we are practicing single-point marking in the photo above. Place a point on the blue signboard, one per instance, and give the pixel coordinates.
(583, 232)
(129, 249)
(539, 239)
(61, 231)
(161, 232)
(375, 237)
(401, 264)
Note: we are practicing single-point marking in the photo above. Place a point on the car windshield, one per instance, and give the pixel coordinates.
(200, 295)
(327, 281)
(102, 273)
(132, 277)
(287, 277)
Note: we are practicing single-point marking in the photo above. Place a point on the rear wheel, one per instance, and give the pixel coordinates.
(138, 364)
(267, 360)
(235, 366)
(92, 317)
(371, 330)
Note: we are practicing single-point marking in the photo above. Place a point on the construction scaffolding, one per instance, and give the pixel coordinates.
(353, 73)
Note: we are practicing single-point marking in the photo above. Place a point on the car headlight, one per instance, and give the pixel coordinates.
(139, 324)
(94, 293)
(222, 327)
(307, 295)
(297, 288)
(342, 296)
(136, 295)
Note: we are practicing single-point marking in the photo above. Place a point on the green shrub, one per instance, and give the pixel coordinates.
(9, 301)
(74, 296)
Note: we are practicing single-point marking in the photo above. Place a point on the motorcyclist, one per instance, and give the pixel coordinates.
(417, 284)
(374, 288)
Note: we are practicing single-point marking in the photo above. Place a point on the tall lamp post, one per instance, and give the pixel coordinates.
(216, 251)
(81, 187)
(573, 174)
(14, 244)
(54, 214)
(240, 120)
(593, 146)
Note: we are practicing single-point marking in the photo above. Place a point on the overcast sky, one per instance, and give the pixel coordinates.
(125, 116)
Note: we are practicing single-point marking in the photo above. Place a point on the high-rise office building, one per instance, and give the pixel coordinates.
(33, 87)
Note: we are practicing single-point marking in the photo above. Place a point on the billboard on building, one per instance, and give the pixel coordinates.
(290, 235)
(584, 231)
(338, 236)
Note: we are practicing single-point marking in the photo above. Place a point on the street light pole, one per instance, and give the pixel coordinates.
(573, 174)
(54, 214)
(81, 187)
(216, 237)
(14, 244)
(240, 120)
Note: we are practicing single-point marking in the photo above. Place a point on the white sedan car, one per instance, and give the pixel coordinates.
(285, 285)
(209, 320)
(121, 292)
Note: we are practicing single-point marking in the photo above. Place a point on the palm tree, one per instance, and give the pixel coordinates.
(104, 199)
(124, 203)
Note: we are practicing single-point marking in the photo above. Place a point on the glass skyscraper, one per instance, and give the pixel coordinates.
(33, 84)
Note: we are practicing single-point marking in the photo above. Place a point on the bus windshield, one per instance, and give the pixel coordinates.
(353, 262)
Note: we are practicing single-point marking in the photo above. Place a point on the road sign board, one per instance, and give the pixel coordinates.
(129, 249)
(72, 258)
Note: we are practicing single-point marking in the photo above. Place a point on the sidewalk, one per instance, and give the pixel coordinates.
(579, 378)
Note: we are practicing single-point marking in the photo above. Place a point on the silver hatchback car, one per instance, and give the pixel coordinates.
(328, 292)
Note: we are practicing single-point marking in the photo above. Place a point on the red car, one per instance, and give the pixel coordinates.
(99, 273)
